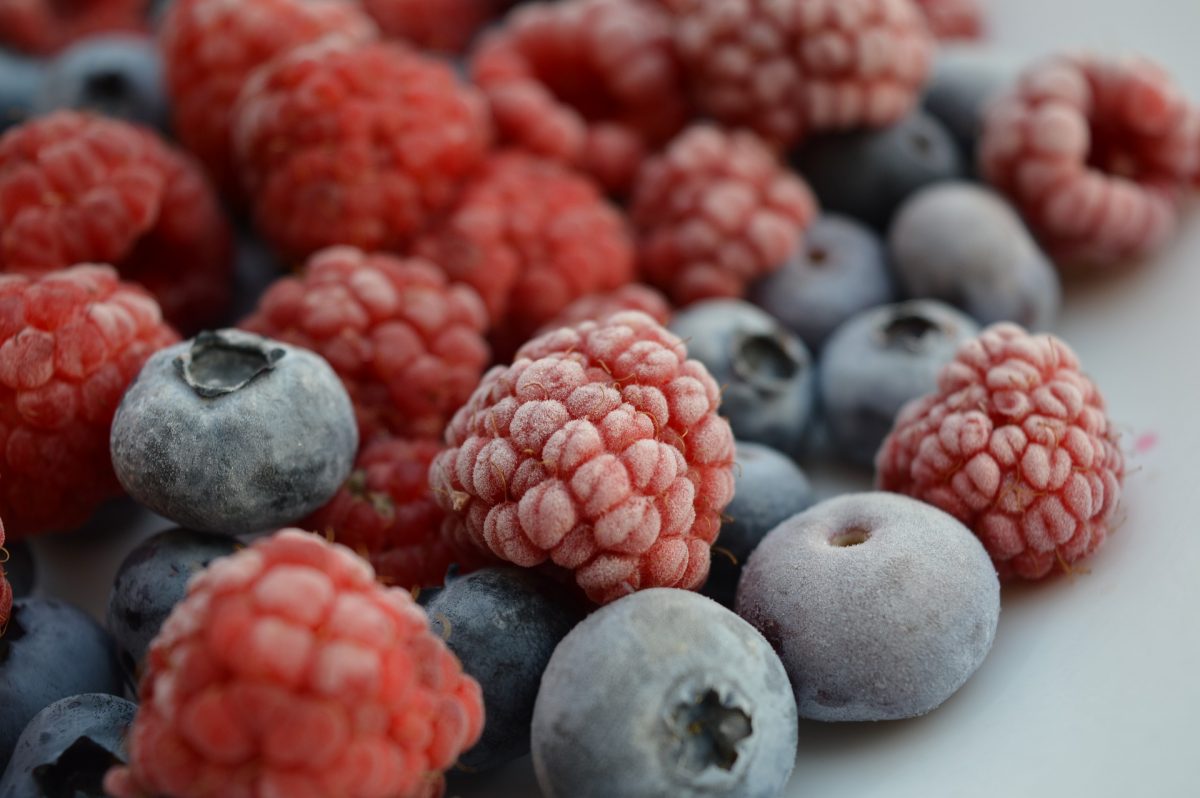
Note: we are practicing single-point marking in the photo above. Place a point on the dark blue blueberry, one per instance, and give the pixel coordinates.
(765, 372)
(20, 82)
(503, 624)
(67, 748)
(255, 268)
(20, 569)
(150, 582)
(868, 174)
(963, 244)
(118, 75)
(50, 650)
(771, 488)
(964, 80)
(878, 361)
(838, 270)
(232, 432)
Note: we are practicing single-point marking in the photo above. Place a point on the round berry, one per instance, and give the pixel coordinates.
(116, 75)
(964, 81)
(20, 82)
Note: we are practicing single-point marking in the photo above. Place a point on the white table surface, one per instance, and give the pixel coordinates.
(1093, 685)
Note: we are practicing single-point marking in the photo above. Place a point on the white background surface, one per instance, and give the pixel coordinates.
(1093, 686)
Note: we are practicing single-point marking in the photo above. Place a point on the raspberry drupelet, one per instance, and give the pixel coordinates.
(715, 211)
(204, 80)
(77, 188)
(592, 83)
(1096, 153)
(407, 344)
(598, 450)
(70, 343)
(356, 145)
(530, 236)
(288, 670)
(597, 307)
(445, 26)
(43, 27)
(1016, 444)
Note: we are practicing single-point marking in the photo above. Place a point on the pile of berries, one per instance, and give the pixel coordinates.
(537, 342)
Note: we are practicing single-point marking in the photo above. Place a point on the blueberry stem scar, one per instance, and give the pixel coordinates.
(218, 364)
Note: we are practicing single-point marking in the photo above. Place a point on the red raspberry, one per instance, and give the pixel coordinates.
(361, 146)
(1015, 443)
(715, 211)
(70, 342)
(77, 188)
(785, 67)
(531, 237)
(408, 346)
(445, 26)
(592, 83)
(287, 670)
(45, 26)
(6, 593)
(599, 449)
(597, 307)
(953, 19)
(1095, 152)
(204, 79)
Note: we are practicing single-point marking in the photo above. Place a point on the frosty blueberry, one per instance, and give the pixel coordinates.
(20, 79)
(118, 75)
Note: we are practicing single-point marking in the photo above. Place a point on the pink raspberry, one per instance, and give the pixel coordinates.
(446, 26)
(715, 211)
(46, 26)
(363, 146)
(953, 19)
(597, 307)
(287, 670)
(787, 67)
(531, 237)
(1015, 443)
(408, 345)
(204, 79)
(592, 83)
(1095, 152)
(600, 450)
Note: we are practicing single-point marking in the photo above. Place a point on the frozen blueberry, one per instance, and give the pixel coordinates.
(964, 80)
(503, 624)
(20, 569)
(67, 748)
(20, 82)
(880, 606)
(771, 488)
(50, 650)
(664, 693)
(119, 75)
(766, 373)
(867, 174)
(839, 269)
(879, 360)
(150, 582)
(232, 432)
(963, 244)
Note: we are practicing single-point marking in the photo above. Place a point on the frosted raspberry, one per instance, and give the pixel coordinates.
(1095, 152)
(45, 26)
(70, 342)
(204, 79)
(77, 188)
(287, 670)
(953, 19)
(1015, 443)
(592, 83)
(531, 237)
(715, 211)
(355, 145)
(600, 450)
(441, 25)
(408, 346)
(597, 307)
(786, 67)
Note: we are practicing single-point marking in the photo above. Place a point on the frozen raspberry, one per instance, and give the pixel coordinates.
(531, 237)
(446, 26)
(45, 26)
(70, 342)
(600, 450)
(361, 146)
(1015, 443)
(786, 67)
(953, 19)
(408, 346)
(715, 211)
(597, 307)
(287, 670)
(387, 514)
(204, 79)
(1095, 152)
(592, 83)
(77, 188)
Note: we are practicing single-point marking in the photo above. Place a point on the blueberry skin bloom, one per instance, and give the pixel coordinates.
(664, 693)
(232, 433)
(118, 75)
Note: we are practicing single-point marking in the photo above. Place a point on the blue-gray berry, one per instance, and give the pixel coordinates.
(118, 75)
(232, 432)
(880, 606)
(964, 80)
(664, 693)
(20, 82)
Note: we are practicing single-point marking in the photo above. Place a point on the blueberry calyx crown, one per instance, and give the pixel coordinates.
(710, 724)
(769, 362)
(907, 329)
(225, 361)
